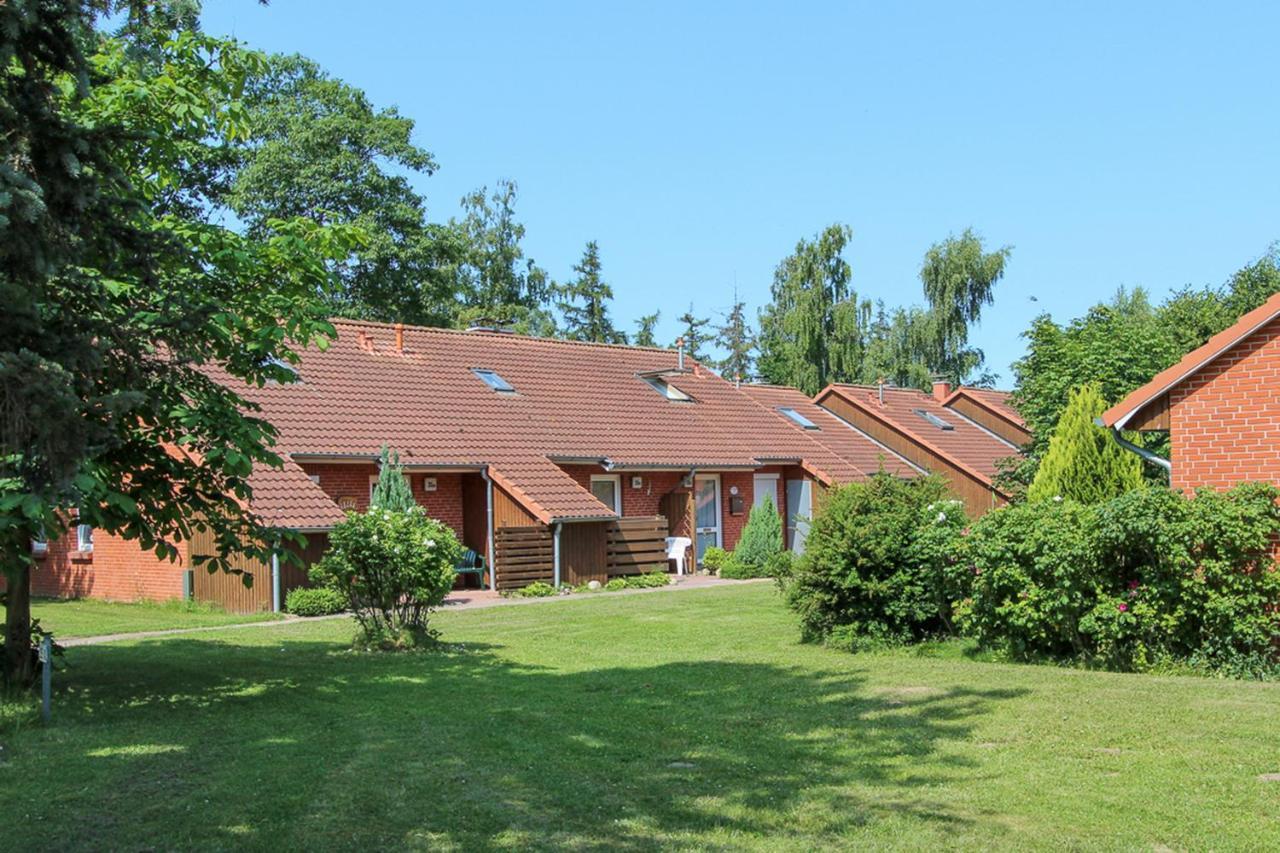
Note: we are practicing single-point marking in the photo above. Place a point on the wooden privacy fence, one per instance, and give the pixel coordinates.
(229, 590)
(524, 555)
(636, 545)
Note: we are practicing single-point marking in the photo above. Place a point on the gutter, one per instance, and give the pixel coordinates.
(488, 501)
(275, 581)
(555, 552)
(1146, 455)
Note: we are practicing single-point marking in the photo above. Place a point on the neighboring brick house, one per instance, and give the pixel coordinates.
(936, 438)
(554, 460)
(1220, 405)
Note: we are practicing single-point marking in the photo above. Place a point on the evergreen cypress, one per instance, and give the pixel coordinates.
(392, 491)
(1083, 463)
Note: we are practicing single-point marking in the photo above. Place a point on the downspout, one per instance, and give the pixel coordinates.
(488, 500)
(275, 581)
(555, 553)
(1147, 455)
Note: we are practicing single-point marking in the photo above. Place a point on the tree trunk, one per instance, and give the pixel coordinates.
(19, 663)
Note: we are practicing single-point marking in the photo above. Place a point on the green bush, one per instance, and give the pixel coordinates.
(393, 568)
(537, 589)
(1148, 578)
(314, 601)
(615, 584)
(649, 580)
(761, 539)
(714, 559)
(866, 577)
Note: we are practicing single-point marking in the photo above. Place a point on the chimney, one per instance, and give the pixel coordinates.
(364, 340)
(941, 388)
(680, 353)
(880, 390)
(400, 338)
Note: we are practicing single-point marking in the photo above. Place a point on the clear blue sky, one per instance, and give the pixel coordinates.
(1109, 144)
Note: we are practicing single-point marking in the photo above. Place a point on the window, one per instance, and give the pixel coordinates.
(40, 544)
(493, 380)
(797, 418)
(280, 364)
(668, 390)
(608, 490)
(934, 419)
(84, 537)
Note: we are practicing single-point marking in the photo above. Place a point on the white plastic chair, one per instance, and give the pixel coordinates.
(676, 546)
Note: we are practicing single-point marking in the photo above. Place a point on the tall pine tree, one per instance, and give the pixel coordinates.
(584, 302)
(695, 333)
(1083, 462)
(645, 327)
(738, 341)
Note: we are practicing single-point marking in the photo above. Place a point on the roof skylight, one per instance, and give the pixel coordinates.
(797, 418)
(493, 380)
(667, 390)
(934, 419)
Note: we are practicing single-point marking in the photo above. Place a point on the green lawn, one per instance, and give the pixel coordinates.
(85, 617)
(687, 719)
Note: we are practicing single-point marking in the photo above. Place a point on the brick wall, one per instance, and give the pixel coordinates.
(1225, 420)
(116, 570)
(445, 503)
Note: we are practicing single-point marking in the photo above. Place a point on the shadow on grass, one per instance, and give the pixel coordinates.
(219, 743)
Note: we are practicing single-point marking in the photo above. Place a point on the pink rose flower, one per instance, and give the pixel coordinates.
(1122, 607)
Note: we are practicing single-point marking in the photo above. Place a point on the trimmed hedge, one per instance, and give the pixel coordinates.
(314, 601)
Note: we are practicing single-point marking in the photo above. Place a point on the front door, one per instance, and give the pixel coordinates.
(799, 508)
(706, 495)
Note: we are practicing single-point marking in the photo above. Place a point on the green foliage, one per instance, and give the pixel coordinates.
(644, 330)
(648, 580)
(615, 584)
(122, 291)
(738, 341)
(1146, 578)
(714, 559)
(496, 283)
(761, 539)
(1084, 463)
(392, 490)
(314, 601)
(866, 577)
(320, 149)
(816, 330)
(537, 589)
(393, 568)
(584, 302)
(694, 334)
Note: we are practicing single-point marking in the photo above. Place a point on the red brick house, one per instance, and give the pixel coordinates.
(555, 460)
(1220, 405)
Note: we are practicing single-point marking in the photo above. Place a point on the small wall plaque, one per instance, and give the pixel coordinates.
(429, 484)
(637, 482)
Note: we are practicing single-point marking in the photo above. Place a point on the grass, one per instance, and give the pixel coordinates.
(688, 719)
(89, 618)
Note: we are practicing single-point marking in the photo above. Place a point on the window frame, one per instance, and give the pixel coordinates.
(84, 538)
(792, 414)
(486, 374)
(616, 479)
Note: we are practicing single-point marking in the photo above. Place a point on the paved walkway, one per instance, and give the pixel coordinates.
(463, 599)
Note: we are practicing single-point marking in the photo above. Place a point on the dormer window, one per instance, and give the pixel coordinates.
(493, 380)
(796, 418)
(933, 419)
(667, 390)
(279, 364)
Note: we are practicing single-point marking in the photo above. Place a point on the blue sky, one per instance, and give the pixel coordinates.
(1109, 144)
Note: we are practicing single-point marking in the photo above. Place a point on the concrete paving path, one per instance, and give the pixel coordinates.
(463, 599)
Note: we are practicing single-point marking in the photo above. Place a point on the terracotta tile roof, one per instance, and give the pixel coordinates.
(966, 445)
(570, 401)
(994, 401)
(286, 497)
(839, 437)
(1120, 414)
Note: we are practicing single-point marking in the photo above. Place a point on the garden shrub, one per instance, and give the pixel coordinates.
(761, 539)
(615, 584)
(714, 559)
(314, 601)
(863, 579)
(649, 580)
(537, 589)
(393, 568)
(1148, 578)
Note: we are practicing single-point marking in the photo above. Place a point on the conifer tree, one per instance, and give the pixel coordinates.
(738, 341)
(644, 330)
(392, 491)
(1083, 463)
(585, 302)
(694, 334)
